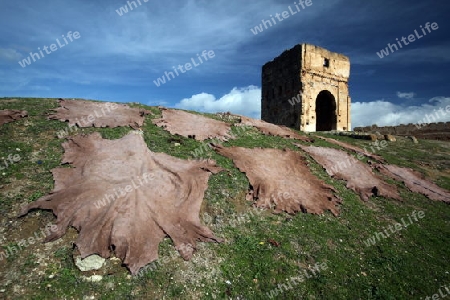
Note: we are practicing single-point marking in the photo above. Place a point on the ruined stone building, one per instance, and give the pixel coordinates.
(306, 88)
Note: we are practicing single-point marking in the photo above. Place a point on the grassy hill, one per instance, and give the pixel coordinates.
(262, 251)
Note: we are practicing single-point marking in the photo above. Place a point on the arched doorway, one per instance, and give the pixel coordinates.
(326, 118)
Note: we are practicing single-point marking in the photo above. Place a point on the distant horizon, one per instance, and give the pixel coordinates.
(127, 51)
(424, 123)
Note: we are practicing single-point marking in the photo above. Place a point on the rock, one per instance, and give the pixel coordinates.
(390, 138)
(93, 278)
(379, 135)
(413, 139)
(138, 131)
(92, 262)
(372, 137)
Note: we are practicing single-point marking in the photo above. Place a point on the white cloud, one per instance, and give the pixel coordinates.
(244, 101)
(405, 95)
(384, 113)
(10, 54)
(247, 101)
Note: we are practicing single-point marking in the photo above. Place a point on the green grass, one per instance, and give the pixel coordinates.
(410, 264)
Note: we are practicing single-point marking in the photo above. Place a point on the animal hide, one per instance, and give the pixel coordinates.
(193, 126)
(353, 148)
(415, 182)
(272, 129)
(359, 176)
(280, 179)
(98, 114)
(11, 115)
(121, 196)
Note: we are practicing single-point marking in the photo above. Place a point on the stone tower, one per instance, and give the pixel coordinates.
(306, 88)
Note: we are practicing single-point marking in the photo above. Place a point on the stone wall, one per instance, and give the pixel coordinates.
(280, 83)
(439, 131)
(292, 82)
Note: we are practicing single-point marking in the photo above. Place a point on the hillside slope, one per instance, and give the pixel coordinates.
(354, 255)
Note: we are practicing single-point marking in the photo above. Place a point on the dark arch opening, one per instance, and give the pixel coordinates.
(326, 118)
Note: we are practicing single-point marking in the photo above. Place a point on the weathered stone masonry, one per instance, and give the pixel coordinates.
(315, 81)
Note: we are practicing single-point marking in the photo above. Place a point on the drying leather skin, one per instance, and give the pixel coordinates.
(193, 126)
(98, 114)
(164, 199)
(359, 176)
(272, 129)
(415, 181)
(11, 115)
(281, 180)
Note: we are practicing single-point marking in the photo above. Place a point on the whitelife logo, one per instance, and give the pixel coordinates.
(411, 38)
(296, 280)
(53, 48)
(12, 159)
(107, 198)
(397, 227)
(284, 15)
(49, 229)
(86, 122)
(124, 9)
(295, 99)
(441, 295)
(187, 66)
(427, 120)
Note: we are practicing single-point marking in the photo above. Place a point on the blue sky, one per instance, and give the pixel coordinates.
(118, 58)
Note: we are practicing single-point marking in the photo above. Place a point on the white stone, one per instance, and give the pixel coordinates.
(92, 262)
(93, 278)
